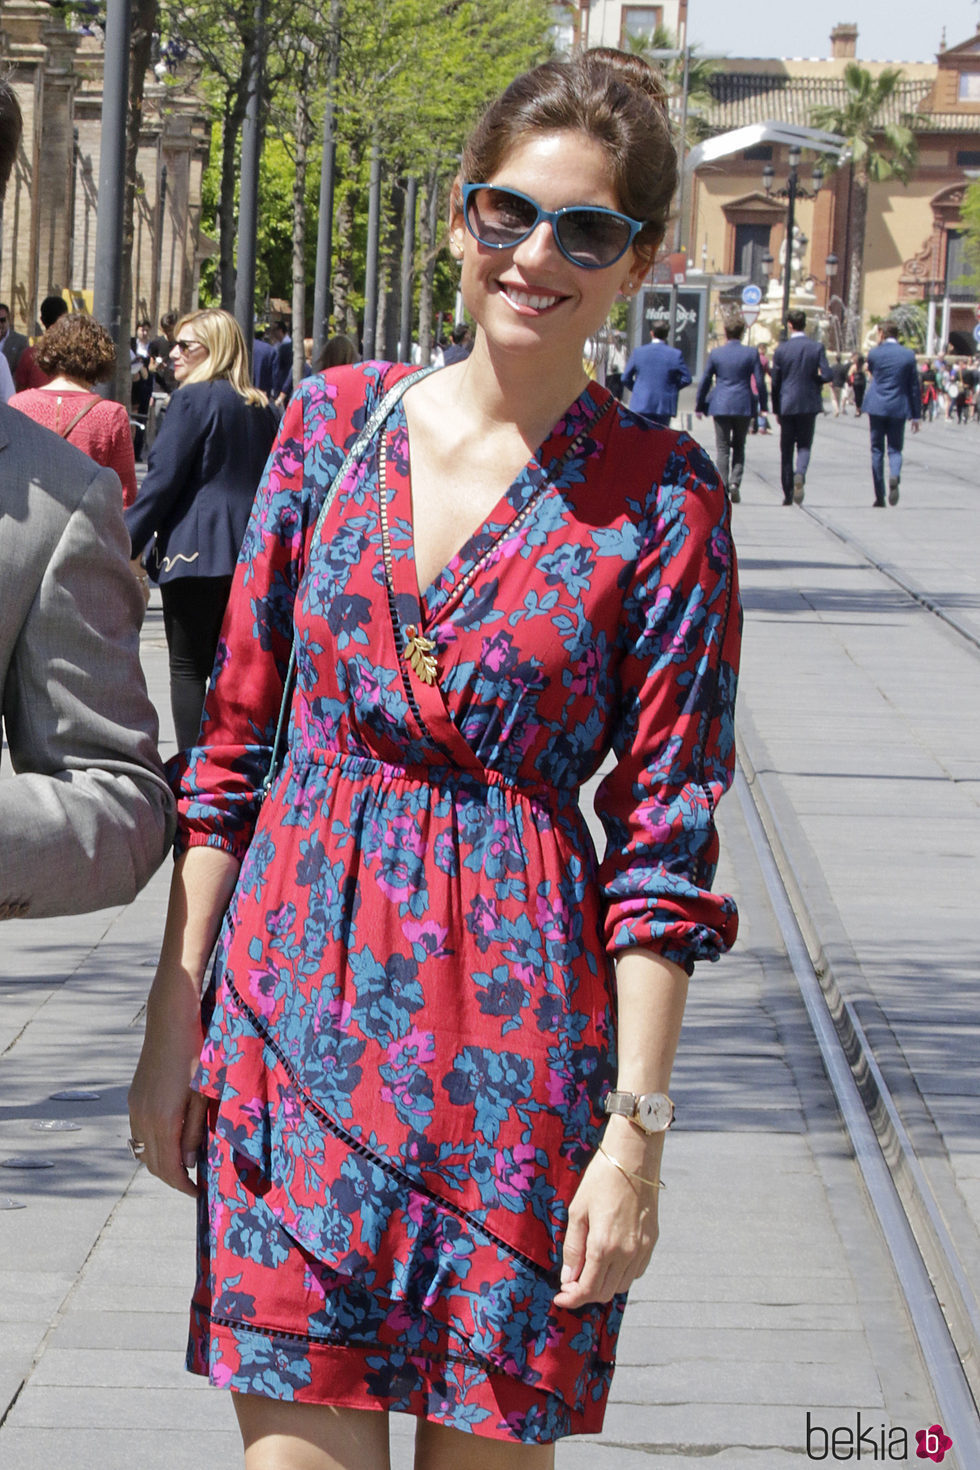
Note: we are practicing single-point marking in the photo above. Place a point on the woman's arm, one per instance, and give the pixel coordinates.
(165, 1114)
(612, 1222)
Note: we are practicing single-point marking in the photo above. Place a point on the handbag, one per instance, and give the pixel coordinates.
(363, 439)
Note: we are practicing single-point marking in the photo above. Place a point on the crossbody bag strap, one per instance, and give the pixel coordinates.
(76, 418)
(364, 438)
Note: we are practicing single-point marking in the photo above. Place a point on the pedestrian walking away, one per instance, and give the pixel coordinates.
(433, 1093)
(655, 374)
(87, 816)
(857, 382)
(799, 371)
(894, 397)
(74, 355)
(190, 515)
(739, 393)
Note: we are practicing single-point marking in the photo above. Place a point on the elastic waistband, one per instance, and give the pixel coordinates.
(444, 776)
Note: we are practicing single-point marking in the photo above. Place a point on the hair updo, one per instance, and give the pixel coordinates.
(610, 96)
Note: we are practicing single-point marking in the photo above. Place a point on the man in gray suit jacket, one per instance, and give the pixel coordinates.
(799, 371)
(88, 815)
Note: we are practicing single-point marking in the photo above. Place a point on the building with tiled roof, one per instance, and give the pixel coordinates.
(914, 239)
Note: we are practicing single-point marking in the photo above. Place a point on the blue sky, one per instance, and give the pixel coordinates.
(888, 30)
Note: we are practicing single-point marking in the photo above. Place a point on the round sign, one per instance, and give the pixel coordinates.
(976, 332)
(751, 295)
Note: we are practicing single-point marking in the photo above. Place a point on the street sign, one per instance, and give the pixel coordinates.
(976, 332)
(751, 296)
(750, 314)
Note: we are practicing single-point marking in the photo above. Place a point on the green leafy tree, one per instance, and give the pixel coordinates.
(411, 77)
(876, 150)
(219, 39)
(692, 116)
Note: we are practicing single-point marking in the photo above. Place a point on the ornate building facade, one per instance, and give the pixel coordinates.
(914, 240)
(47, 241)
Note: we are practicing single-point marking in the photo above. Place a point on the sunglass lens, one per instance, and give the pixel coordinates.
(592, 237)
(498, 217)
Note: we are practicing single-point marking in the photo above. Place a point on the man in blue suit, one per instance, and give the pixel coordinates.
(894, 396)
(799, 371)
(740, 391)
(655, 375)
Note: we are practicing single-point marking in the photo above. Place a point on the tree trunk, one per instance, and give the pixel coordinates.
(859, 219)
(344, 319)
(302, 131)
(428, 228)
(141, 41)
(392, 276)
(235, 101)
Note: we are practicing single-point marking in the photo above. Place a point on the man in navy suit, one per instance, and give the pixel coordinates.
(655, 375)
(799, 371)
(740, 391)
(893, 397)
(264, 366)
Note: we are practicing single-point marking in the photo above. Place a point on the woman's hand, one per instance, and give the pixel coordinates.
(612, 1230)
(612, 1219)
(165, 1115)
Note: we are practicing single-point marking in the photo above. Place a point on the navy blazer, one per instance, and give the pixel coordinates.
(204, 468)
(894, 391)
(734, 366)
(655, 373)
(799, 371)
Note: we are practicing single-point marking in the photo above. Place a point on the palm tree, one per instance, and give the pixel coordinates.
(699, 73)
(876, 150)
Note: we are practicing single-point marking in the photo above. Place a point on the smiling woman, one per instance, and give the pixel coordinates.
(431, 1099)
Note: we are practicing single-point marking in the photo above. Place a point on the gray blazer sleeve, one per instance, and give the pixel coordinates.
(88, 815)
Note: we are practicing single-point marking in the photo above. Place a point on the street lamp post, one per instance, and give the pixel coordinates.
(792, 191)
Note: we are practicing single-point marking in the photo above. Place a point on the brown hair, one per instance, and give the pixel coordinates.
(338, 352)
(612, 97)
(76, 346)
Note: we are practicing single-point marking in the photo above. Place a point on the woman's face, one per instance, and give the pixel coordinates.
(187, 352)
(529, 297)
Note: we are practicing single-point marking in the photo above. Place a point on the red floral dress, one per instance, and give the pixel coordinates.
(411, 1023)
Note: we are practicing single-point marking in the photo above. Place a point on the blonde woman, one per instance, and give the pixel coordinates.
(194, 504)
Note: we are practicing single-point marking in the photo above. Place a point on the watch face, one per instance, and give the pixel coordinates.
(654, 1112)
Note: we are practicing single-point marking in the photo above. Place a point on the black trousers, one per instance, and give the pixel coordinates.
(193, 608)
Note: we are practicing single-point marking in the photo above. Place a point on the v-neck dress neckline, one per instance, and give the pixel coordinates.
(541, 469)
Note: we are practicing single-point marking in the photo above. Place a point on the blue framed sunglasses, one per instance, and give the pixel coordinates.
(586, 234)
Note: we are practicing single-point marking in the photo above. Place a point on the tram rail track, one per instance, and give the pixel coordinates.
(940, 1296)
(900, 578)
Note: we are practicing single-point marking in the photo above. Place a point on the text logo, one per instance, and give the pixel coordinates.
(933, 1443)
(864, 1441)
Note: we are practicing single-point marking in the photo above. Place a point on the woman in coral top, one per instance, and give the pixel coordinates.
(78, 353)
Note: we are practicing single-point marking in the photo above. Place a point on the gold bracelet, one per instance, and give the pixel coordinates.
(653, 1183)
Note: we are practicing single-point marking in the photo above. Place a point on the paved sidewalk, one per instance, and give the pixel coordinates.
(769, 1295)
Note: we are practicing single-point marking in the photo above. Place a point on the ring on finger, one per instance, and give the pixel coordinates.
(136, 1148)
